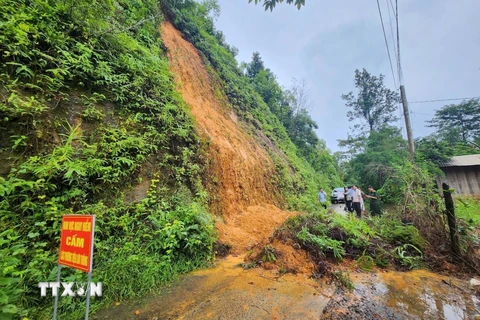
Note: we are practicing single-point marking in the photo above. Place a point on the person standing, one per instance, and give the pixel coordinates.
(374, 206)
(351, 191)
(357, 201)
(348, 199)
(362, 199)
(322, 198)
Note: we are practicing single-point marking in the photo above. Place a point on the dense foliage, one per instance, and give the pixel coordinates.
(90, 123)
(373, 103)
(458, 122)
(381, 241)
(89, 112)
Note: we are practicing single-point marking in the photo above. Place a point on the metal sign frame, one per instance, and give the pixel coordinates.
(89, 276)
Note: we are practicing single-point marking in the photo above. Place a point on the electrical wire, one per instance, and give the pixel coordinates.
(391, 4)
(391, 29)
(439, 100)
(423, 114)
(386, 43)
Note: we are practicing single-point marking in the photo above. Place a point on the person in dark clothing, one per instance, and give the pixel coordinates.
(374, 207)
(357, 201)
(348, 199)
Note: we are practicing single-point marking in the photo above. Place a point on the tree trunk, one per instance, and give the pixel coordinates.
(452, 224)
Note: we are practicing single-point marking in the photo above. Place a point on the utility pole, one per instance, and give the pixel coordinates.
(403, 95)
(406, 114)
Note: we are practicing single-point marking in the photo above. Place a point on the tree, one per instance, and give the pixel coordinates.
(458, 122)
(291, 106)
(384, 149)
(300, 125)
(255, 66)
(299, 93)
(432, 150)
(374, 103)
(270, 4)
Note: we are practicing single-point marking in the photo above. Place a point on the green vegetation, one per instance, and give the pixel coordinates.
(377, 155)
(468, 209)
(381, 241)
(91, 124)
(89, 112)
(270, 4)
(290, 106)
(458, 122)
(269, 254)
(374, 147)
(374, 103)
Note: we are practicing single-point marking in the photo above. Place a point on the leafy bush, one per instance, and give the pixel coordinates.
(468, 209)
(321, 243)
(396, 233)
(379, 241)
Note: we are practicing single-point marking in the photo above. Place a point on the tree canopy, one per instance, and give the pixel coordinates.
(458, 122)
(373, 103)
(270, 4)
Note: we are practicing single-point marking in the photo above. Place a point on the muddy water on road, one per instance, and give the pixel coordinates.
(417, 294)
(230, 292)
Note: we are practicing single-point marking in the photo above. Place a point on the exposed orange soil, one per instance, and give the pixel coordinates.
(251, 227)
(290, 259)
(241, 171)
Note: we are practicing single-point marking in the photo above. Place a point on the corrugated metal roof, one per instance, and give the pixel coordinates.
(461, 161)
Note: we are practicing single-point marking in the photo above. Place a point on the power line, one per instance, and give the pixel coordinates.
(391, 4)
(423, 114)
(391, 28)
(386, 43)
(439, 100)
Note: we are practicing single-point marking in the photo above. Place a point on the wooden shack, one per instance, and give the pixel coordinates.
(462, 173)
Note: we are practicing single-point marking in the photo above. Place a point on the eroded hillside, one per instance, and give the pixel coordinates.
(240, 181)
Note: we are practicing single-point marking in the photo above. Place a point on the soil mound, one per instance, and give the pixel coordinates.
(250, 227)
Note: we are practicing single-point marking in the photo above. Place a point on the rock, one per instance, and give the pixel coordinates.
(474, 282)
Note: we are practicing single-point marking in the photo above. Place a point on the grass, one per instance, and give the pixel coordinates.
(468, 209)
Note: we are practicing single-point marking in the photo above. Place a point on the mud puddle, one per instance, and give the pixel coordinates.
(230, 292)
(417, 294)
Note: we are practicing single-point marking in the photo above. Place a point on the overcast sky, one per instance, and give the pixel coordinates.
(326, 41)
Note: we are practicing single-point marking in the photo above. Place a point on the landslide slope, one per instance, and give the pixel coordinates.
(241, 171)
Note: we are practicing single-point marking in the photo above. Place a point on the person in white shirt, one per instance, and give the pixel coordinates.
(357, 201)
(322, 198)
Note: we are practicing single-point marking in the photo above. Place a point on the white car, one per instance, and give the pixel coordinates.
(337, 195)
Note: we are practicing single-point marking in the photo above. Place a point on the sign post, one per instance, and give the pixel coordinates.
(76, 250)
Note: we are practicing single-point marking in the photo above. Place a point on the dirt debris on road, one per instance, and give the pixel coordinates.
(230, 292)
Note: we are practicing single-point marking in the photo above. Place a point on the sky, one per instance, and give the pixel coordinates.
(325, 41)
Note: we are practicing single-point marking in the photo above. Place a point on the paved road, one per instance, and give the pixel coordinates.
(338, 208)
